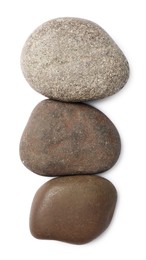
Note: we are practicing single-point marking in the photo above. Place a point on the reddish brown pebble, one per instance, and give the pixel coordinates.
(69, 139)
(73, 209)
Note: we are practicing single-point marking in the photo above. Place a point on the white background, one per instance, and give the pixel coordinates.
(125, 21)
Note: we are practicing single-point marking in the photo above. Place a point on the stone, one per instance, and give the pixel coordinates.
(72, 59)
(73, 209)
(63, 138)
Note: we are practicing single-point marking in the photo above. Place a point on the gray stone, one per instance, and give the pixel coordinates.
(74, 209)
(71, 59)
(67, 139)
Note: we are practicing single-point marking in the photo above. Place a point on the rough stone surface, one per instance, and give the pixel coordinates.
(68, 138)
(74, 209)
(72, 59)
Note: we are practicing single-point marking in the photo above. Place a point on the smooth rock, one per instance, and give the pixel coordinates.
(74, 209)
(72, 59)
(69, 138)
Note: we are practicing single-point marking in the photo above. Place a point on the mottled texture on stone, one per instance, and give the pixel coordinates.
(74, 209)
(68, 138)
(73, 59)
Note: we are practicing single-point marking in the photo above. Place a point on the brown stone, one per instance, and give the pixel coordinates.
(68, 138)
(73, 209)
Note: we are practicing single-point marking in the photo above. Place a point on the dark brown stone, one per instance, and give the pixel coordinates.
(73, 209)
(68, 139)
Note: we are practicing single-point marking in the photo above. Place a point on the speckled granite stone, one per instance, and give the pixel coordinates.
(71, 59)
(69, 138)
(74, 209)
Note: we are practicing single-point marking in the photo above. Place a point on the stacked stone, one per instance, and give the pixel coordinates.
(71, 60)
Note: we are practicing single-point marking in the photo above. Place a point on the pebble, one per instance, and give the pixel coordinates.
(63, 138)
(73, 209)
(72, 59)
